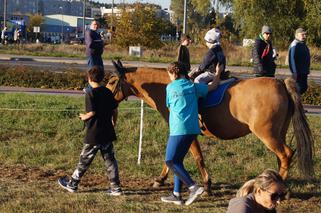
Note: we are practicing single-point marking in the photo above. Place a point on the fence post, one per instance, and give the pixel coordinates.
(140, 132)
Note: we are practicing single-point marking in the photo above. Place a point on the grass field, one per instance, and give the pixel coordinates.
(41, 138)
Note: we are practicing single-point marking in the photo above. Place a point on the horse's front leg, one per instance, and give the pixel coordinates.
(198, 157)
(160, 180)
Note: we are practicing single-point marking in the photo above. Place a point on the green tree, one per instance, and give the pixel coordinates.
(312, 21)
(140, 26)
(282, 15)
(197, 12)
(34, 20)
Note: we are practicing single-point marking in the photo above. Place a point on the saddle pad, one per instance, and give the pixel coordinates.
(215, 97)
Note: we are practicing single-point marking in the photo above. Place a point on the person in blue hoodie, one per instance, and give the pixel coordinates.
(299, 60)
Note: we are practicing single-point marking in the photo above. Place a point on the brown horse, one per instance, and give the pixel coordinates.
(263, 106)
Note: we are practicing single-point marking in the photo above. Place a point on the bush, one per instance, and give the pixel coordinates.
(22, 76)
(313, 95)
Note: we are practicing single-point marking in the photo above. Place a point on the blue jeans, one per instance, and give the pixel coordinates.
(176, 150)
(95, 60)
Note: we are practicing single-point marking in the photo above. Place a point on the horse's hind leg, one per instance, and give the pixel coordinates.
(198, 157)
(282, 151)
(283, 171)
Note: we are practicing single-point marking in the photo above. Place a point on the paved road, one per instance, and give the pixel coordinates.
(52, 62)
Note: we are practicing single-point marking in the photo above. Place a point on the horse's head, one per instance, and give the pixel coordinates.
(116, 82)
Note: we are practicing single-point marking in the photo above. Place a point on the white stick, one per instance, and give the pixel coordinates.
(140, 132)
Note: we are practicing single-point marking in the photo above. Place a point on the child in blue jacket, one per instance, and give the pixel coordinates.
(182, 100)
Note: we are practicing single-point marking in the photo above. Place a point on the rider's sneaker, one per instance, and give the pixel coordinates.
(173, 199)
(70, 185)
(194, 193)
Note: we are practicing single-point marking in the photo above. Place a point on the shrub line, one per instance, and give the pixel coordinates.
(64, 110)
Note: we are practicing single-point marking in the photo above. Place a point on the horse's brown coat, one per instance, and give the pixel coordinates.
(263, 106)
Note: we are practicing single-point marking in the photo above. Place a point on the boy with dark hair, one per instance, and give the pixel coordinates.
(183, 52)
(100, 118)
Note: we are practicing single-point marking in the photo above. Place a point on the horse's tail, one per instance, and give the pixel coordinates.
(302, 131)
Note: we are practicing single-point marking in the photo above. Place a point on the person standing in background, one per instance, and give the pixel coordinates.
(262, 54)
(299, 60)
(183, 55)
(94, 46)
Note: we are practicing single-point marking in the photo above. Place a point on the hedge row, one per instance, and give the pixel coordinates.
(34, 77)
(22, 76)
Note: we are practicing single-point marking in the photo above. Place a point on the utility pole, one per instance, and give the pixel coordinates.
(112, 15)
(62, 25)
(4, 12)
(185, 17)
(84, 18)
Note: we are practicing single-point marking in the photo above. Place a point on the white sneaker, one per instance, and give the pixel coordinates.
(114, 191)
(173, 199)
(194, 194)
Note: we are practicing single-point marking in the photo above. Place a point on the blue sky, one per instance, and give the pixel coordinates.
(163, 3)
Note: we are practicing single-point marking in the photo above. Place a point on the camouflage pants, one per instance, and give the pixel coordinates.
(88, 154)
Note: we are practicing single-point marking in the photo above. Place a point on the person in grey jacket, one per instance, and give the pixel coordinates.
(259, 195)
(299, 60)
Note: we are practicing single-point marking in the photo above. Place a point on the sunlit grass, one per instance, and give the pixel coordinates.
(40, 145)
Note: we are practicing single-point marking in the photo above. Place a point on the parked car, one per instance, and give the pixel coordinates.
(79, 40)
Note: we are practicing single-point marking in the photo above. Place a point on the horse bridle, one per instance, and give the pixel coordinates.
(118, 88)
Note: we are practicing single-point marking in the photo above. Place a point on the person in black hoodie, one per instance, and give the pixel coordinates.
(299, 60)
(262, 54)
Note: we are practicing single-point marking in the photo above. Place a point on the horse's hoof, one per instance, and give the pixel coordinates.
(207, 193)
(158, 184)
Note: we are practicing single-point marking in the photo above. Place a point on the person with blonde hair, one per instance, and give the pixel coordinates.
(259, 195)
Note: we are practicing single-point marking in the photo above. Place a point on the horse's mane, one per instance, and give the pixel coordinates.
(148, 74)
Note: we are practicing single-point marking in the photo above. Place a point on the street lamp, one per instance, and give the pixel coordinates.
(62, 25)
(84, 18)
(185, 17)
(4, 12)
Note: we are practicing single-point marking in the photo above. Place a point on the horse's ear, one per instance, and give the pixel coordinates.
(119, 63)
(117, 68)
(122, 69)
